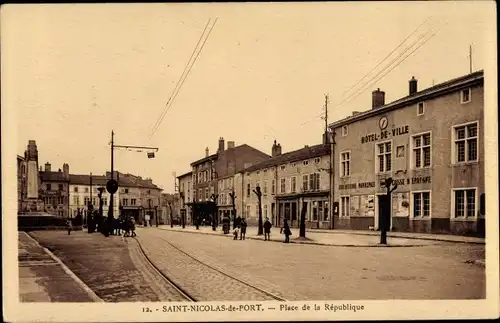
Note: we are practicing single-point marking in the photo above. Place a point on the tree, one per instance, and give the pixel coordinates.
(214, 211)
(259, 197)
(302, 231)
(232, 195)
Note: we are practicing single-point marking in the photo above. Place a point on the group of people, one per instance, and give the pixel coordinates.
(241, 229)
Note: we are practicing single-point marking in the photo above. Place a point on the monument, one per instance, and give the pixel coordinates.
(32, 203)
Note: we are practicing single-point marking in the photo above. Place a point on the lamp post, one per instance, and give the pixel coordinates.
(183, 214)
(385, 216)
(233, 202)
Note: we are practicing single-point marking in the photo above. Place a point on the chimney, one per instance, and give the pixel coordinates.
(413, 85)
(273, 150)
(230, 144)
(278, 150)
(221, 144)
(206, 152)
(66, 171)
(378, 99)
(47, 167)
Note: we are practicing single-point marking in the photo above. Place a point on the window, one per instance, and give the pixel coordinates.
(317, 160)
(60, 187)
(344, 131)
(258, 172)
(75, 189)
(283, 185)
(315, 211)
(294, 164)
(465, 203)
(206, 193)
(126, 191)
(421, 204)
(256, 210)
(420, 109)
(384, 157)
(273, 186)
(345, 164)
(305, 162)
(132, 201)
(465, 96)
(314, 181)
(94, 201)
(466, 143)
(77, 200)
(325, 211)
(265, 211)
(86, 189)
(200, 196)
(257, 184)
(248, 190)
(212, 190)
(85, 201)
(293, 184)
(422, 150)
(221, 184)
(305, 182)
(344, 206)
(265, 187)
(49, 187)
(248, 210)
(125, 202)
(282, 167)
(105, 201)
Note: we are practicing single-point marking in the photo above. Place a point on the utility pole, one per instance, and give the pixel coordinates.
(470, 59)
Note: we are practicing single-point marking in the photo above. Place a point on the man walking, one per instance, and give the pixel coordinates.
(267, 229)
(243, 226)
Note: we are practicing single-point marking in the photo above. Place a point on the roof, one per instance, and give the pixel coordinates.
(292, 156)
(431, 92)
(185, 174)
(52, 176)
(124, 180)
(199, 161)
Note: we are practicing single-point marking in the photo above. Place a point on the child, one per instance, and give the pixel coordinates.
(235, 232)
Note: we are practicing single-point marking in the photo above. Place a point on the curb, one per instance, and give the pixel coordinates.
(68, 271)
(305, 242)
(405, 237)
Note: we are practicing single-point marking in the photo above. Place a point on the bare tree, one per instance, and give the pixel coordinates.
(258, 192)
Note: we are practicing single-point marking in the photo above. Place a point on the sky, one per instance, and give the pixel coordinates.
(72, 73)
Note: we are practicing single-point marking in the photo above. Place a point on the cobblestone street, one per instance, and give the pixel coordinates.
(437, 271)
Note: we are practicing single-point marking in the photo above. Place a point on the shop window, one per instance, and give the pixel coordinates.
(421, 204)
(344, 206)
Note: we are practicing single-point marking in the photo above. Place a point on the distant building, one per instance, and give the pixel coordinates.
(54, 190)
(185, 185)
(226, 162)
(289, 182)
(430, 143)
(83, 190)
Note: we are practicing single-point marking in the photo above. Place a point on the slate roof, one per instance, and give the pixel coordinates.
(52, 176)
(124, 180)
(292, 156)
(433, 91)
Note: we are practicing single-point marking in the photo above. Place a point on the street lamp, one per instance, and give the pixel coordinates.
(258, 192)
(385, 216)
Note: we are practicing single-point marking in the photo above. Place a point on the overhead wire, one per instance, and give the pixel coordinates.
(182, 75)
(187, 74)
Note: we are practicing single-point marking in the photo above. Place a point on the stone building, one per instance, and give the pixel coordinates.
(289, 182)
(430, 143)
(185, 195)
(83, 190)
(54, 190)
(224, 163)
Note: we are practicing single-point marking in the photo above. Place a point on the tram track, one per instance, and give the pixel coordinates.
(188, 294)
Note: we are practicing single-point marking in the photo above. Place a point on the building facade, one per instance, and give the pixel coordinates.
(430, 143)
(54, 190)
(290, 183)
(83, 190)
(185, 186)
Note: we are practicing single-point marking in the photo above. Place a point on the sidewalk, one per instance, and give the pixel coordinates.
(43, 278)
(344, 239)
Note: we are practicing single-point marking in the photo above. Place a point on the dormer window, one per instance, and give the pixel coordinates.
(465, 96)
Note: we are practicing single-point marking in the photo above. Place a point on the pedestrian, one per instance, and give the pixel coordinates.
(286, 231)
(132, 226)
(243, 226)
(267, 229)
(70, 226)
(236, 232)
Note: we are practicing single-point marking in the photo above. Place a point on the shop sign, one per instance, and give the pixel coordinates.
(386, 134)
(398, 181)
